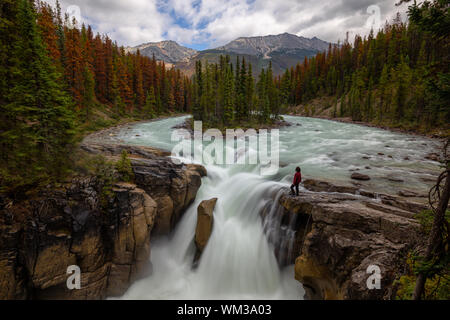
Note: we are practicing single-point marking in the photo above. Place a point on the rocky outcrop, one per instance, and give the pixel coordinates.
(205, 220)
(339, 235)
(108, 235)
(167, 51)
(415, 205)
(345, 237)
(173, 186)
(41, 238)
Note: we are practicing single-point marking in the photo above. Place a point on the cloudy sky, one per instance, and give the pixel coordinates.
(202, 24)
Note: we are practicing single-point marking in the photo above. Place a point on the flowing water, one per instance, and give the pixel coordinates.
(239, 261)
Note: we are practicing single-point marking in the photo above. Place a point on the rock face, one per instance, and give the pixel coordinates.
(344, 235)
(75, 224)
(323, 186)
(393, 203)
(168, 51)
(205, 220)
(410, 194)
(267, 46)
(173, 186)
(282, 50)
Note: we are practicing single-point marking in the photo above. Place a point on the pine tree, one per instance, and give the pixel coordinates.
(250, 92)
(35, 145)
(74, 65)
(228, 96)
(89, 90)
(150, 104)
(243, 102)
(263, 98)
(49, 34)
(123, 82)
(138, 82)
(383, 84)
(343, 108)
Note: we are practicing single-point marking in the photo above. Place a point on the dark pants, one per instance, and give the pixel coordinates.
(296, 189)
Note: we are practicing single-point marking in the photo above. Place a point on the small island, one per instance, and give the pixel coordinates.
(226, 96)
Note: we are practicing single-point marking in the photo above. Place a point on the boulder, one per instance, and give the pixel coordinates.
(410, 194)
(323, 186)
(360, 176)
(432, 156)
(201, 170)
(394, 178)
(205, 220)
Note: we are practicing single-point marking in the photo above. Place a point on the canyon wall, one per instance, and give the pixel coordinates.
(72, 224)
(338, 233)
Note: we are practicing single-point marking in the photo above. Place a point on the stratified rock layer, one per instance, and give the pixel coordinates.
(339, 235)
(345, 237)
(74, 224)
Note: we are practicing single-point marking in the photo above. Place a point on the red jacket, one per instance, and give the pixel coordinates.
(297, 178)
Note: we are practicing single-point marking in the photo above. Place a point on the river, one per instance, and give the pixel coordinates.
(238, 262)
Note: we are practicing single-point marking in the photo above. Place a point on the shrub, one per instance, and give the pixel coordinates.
(437, 271)
(124, 169)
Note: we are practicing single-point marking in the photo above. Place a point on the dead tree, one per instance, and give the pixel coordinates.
(438, 197)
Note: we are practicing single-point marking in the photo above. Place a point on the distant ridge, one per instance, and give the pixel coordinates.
(168, 51)
(265, 45)
(284, 51)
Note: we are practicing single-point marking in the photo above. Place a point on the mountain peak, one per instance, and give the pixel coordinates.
(167, 50)
(266, 45)
(283, 50)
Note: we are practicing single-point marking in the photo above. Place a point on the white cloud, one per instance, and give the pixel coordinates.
(216, 22)
(128, 22)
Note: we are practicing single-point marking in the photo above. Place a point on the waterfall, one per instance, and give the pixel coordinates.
(280, 228)
(238, 262)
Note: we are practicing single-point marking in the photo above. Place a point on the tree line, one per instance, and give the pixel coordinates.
(226, 94)
(54, 76)
(398, 77)
(96, 70)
